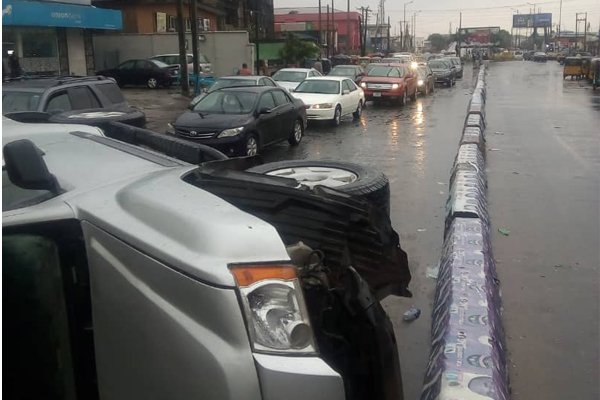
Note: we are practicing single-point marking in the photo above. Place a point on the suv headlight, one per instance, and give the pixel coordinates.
(363, 85)
(273, 304)
(322, 106)
(420, 82)
(231, 132)
(395, 86)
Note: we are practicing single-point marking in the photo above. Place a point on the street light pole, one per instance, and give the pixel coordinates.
(405, 27)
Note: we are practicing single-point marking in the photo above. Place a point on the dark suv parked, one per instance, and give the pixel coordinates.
(70, 99)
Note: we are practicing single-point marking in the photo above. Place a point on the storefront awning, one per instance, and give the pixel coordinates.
(35, 13)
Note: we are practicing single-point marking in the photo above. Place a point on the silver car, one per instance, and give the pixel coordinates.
(132, 274)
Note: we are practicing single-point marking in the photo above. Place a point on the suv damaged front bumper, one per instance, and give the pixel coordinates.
(361, 263)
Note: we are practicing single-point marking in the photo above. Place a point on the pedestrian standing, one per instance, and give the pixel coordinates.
(318, 65)
(15, 67)
(245, 70)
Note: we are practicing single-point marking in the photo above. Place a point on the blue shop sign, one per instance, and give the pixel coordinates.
(36, 13)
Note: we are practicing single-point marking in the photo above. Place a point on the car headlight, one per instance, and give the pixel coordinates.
(363, 85)
(170, 129)
(322, 106)
(420, 82)
(274, 307)
(395, 86)
(231, 132)
(414, 65)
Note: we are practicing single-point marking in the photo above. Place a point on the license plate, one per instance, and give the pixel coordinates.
(377, 94)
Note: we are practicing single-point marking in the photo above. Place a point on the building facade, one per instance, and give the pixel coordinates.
(51, 37)
(343, 27)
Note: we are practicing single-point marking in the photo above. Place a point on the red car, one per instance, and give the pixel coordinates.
(390, 82)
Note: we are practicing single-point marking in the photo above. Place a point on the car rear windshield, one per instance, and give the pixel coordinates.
(227, 102)
(223, 83)
(343, 71)
(19, 101)
(318, 86)
(289, 76)
(438, 64)
(112, 92)
(383, 71)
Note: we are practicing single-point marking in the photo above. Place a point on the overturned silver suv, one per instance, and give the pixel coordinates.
(131, 274)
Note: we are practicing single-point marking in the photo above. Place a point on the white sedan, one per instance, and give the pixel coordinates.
(330, 98)
(289, 78)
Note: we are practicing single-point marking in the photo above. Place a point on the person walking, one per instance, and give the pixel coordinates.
(245, 70)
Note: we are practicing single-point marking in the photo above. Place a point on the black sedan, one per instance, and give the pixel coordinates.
(152, 73)
(540, 56)
(443, 71)
(243, 120)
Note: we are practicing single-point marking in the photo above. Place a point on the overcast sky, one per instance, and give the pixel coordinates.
(435, 16)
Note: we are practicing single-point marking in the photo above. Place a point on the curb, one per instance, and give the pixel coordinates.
(468, 354)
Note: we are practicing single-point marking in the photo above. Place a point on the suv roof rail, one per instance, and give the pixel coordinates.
(75, 78)
(181, 149)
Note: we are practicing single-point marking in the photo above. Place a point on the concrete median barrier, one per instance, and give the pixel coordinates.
(468, 355)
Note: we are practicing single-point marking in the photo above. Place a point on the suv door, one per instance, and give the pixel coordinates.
(268, 124)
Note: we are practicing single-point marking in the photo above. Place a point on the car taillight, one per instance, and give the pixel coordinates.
(273, 303)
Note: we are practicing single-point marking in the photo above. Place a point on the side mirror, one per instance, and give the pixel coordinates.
(290, 90)
(26, 168)
(345, 91)
(264, 110)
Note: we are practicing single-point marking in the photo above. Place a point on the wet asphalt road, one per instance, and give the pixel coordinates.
(415, 146)
(544, 187)
(543, 168)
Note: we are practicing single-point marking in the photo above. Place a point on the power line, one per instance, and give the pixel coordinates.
(485, 8)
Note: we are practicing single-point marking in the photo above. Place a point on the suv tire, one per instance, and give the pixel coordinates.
(370, 184)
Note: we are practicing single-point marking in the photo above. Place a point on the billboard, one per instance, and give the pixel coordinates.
(478, 36)
(532, 20)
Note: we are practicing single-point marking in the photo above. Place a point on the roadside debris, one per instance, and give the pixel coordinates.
(411, 314)
(504, 231)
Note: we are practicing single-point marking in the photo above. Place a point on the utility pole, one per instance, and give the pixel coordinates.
(558, 30)
(194, 24)
(332, 29)
(581, 17)
(367, 11)
(405, 26)
(401, 33)
(320, 27)
(328, 33)
(459, 33)
(388, 36)
(348, 29)
(185, 82)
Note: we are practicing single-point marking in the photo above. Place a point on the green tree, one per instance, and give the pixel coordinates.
(438, 42)
(295, 50)
(503, 39)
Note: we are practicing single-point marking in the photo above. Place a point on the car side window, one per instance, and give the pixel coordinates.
(280, 98)
(350, 84)
(82, 97)
(59, 102)
(317, 73)
(127, 65)
(311, 74)
(266, 101)
(143, 64)
(345, 85)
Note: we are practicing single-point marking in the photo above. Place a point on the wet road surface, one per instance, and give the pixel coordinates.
(544, 187)
(415, 147)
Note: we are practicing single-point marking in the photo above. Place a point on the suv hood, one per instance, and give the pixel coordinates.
(383, 79)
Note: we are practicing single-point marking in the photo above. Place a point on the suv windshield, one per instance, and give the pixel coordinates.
(289, 76)
(20, 101)
(226, 102)
(223, 83)
(318, 86)
(14, 197)
(382, 71)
